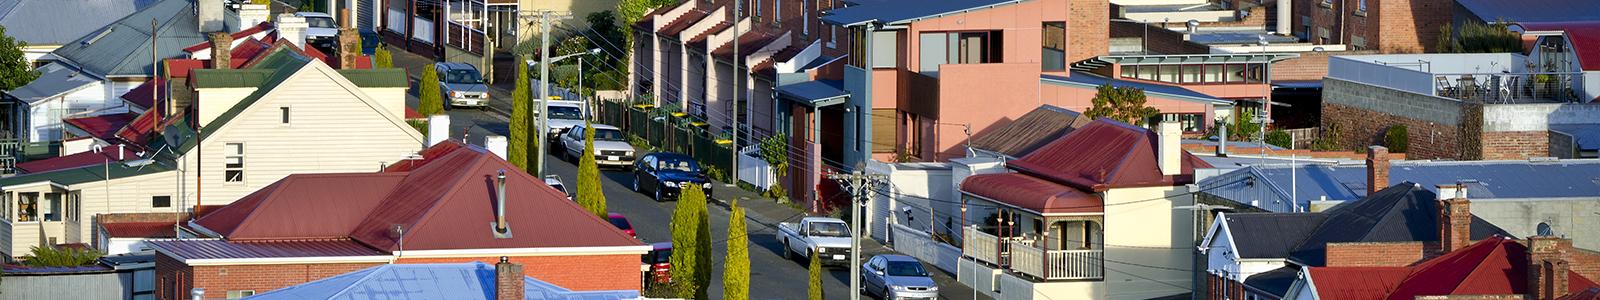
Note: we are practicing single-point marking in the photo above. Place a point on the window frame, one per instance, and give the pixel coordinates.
(153, 201)
(1045, 31)
(21, 207)
(227, 169)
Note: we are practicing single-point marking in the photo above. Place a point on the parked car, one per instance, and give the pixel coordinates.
(564, 114)
(822, 238)
(322, 31)
(894, 276)
(611, 147)
(663, 175)
(658, 263)
(621, 222)
(460, 84)
(555, 182)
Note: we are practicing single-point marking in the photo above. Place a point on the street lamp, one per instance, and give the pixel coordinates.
(544, 101)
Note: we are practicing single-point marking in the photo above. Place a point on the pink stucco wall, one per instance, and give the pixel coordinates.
(986, 96)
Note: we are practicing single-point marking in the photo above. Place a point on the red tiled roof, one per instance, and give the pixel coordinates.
(237, 35)
(102, 127)
(303, 206)
(1104, 154)
(78, 160)
(220, 249)
(140, 229)
(1584, 36)
(682, 23)
(1032, 193)
(1356, 283)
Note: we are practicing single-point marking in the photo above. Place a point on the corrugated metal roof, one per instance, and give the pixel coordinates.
(102, 126)
(1090, 80)
(1486, 180)
(1104, 154)
(1270, 235)
(1031, 193)
(1030, 131)
(189, 249)
(122, 48)
(280, 211)
(1533, 10)
(689, 18)
(1401, 213)
(140, 229)
(1275, 282)
(1356, 283)
(77, 160)
(1586, 136)
(91, 173)
(464, 281)
(813, 91)
(1584, 37)
(41, 22)
(902, 11)
(1494, 266)
(54, 80)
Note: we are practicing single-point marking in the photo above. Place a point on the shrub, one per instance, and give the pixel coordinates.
(1329, 141)
(1280, 138)
(590, 194)
(716, 173)
(429, 103)
(1395, 139)
(420, 125)
(61, 257)
(381, 58)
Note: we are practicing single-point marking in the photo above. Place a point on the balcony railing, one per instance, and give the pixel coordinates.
(1508, 87)
(981, 246)
(1021, 255)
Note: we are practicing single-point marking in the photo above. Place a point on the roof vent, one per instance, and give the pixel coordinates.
(502, 230)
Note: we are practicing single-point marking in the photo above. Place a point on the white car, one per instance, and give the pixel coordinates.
(564, 114)
(322, 31)
(611, 146)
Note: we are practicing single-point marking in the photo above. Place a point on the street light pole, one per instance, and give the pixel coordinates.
(544, 91)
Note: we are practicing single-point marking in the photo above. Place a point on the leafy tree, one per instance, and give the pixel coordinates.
(1280, 138)
(686, 260)
(736, 266)
(521, 117)
(1395, 139)
(1126, 104)
(816, 280)
(1475, 37)
(14, 69)
(261, 2)
(1244, 128)
(429, 104)
(589, 193)
(633, 10)
(604, 25)
(381, 58)
(48, 256)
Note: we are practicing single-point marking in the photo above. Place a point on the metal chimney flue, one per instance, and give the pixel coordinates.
(500, 203)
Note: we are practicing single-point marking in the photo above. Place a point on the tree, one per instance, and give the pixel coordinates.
(612, 39)
(589, 193)
(1126, 104)
(736, 266)
(816, 280)
(633, 10)
(688, 263)
(49, 256)
(1474, 37)
(521, 115)
(429, 104)
(381, 58)
(14, 69)
(702, 242)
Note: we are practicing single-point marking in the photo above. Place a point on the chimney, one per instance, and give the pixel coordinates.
(438, 129)
(508, 282)
(500, 203)
(1455, 217)
(1170, 153)
(1547, 267)
(349, 42)
(252, 14)
(121, 152)
(1284, 13)
(1222, 139)
(293, 29)
(1377, 169)
(496, 144)
(221, 50)
(197, 294)
(208, 14)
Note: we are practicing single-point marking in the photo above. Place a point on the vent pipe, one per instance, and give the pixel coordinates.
(500, 202)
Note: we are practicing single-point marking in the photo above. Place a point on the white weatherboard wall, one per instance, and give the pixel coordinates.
(923, 188)
(1150, 233)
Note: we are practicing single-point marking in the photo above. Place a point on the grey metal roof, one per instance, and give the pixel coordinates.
(1238, 37)
(123, 47)
(1587, 136)
(1270, 235)
(41, 22)
(815, 92)
(1486, 180)
(54, 79)
(895, 12)
(1180, 59)
(1030, 131)
(1533, 10)
(1089, 80)
(1401, 213)
(1275, 282)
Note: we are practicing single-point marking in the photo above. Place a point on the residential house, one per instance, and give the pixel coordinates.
(458, 206)
(1544, 11)
(281, 113)
(1100, 213)
(1410, 26)
(452, 30)
(1520, 196)
(466, 281)
(123, 277)
(39, 24)
(1499, 267)
(1256, 255)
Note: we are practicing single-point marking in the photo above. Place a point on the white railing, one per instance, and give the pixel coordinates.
(397, 21)
(422, 29)
(1027, 259)
(981, 246)
(755, 170)
(1075, 264)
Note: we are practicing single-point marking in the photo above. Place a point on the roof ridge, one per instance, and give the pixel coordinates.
(372, 272)
(276, 187)
(1389, 206)
(456, 184)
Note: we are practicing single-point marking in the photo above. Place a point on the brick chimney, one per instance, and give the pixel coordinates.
(349, 42)
(1455, 217)
(508, 282)
(1547, 267)
(221, 50)
(1377, 169)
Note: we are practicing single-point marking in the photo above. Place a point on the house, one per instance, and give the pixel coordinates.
(1100, 213)
(125, 277)
(1258, 254)
(245, 129)
(1544, 11)
(1499, 267)
(1383, 25)
(455, 30)
(37, 23)
(1520, 196)
(462, 206)
(468, 281)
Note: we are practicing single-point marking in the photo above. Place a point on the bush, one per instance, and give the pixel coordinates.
(61, 257)
(429, 103)
(716, 173)
(381, 58)
(1329, 141)
(1395, 139)
(776, 192)
(1280, 138)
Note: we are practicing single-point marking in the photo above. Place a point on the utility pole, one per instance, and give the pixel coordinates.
(738, 9)
(860, 185)
(544, 88)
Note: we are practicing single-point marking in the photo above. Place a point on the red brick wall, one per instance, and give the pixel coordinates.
(1516, 144)
(1393, 254)
(1361, 128)
(174, 279)
(1409, 25)
(1585, 262)
(1088, 29)
(578, 273)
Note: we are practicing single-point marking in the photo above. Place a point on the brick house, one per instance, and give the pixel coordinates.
(456, 281)
(1405, 26)
(452, 207)
(1499, 267)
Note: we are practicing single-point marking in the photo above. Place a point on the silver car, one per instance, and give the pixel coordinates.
(460, 85)
(893, 276)
(321, 30)
(611, 146)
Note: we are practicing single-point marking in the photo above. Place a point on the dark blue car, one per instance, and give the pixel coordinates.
(663, 174)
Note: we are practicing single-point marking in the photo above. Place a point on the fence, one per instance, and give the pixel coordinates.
(1304, 137)
(981, 246)
(669, 133)
(1027, 259)
(755, 170)
(922, 246)
(1076, 264)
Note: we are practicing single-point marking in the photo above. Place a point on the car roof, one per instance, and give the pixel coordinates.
(898, 258)
(552, 181)
(672, 155)
(457, 66)
(821, 219)
(313, 14)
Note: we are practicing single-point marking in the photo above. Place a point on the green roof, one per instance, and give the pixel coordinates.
(92, 173)
(228, 78)
(281, 64)
(377, 77)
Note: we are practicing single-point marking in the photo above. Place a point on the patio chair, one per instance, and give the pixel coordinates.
(1508, 88)
(1445, 88)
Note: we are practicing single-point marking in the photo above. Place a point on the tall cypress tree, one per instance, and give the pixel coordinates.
(685, 228)
(429, 103)
(736, 266)
(589, 193)
(815, 291)
(521, 114)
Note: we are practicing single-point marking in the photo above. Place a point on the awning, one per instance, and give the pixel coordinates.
(1183, 59)
(815, 93)
(54, 80)
(1090, 80)
(1033, 194)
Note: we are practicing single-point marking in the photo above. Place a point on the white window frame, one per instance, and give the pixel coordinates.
(237, 294)
(230, 154)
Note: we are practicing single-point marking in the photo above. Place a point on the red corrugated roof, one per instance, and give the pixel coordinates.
(140, 229)
(1584, 36)
(143, 95)
(710, 31)
(1494, 266)
(749, 43)
(1356, 283)
(284, 209)
(428, 155)
(220, 249)
(683, 22)
(142, 126)
(1104, 154)
(236, 36)
(78, 160)
(102, 127)
(1032, 193)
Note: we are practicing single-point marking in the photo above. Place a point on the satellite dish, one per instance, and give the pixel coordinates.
(1544, 229)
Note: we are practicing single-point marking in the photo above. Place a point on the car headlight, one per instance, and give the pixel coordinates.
(706, 185)
(628, 153)
(670, 184)
(455, 94)
(822, 250)
(902, 288)
(597, 152)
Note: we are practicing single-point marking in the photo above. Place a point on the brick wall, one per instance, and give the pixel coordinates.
(1361, 127)
(1409, 26)
(174, 279)
(1310, 66)
(578, 273)
(1516, 144)
(1436, 127)
(1585, 262)
(1088, 26)
(1390, 254)
(1257, 18)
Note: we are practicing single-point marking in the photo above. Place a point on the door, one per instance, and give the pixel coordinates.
(872, 281)
(648, 173)
(365, 14)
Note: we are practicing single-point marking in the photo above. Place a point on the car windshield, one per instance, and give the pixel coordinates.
(906, 268)
(608, 135)
(829, 229)
(320, 22)
(621, 223)
(680, 165)
(462, 76)
(565, 113)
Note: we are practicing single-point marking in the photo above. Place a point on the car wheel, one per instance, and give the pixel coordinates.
(863, 288)
(658, 195)
(635, 181)
(787, 253)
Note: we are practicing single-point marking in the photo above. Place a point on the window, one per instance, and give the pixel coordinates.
(883, 130)
(1358, 43)
(160, 201)
(885, 46)
(74, 205)
(233, 168)
(240, 294)
(27, 207)
(756, 10)
(5, 206)
(284, 111)
(1055, 46)
(1190, 123)
(777, 11)
(1322, 35)
(52, 208)
(1190, 74)
(1361, 8)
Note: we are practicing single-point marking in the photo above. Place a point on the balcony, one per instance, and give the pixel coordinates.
(1492, 78)
(1023, 256)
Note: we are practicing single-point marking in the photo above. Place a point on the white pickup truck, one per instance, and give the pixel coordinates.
(822, 238)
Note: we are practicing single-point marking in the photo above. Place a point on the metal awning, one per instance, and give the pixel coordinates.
(55, 79)
(1194, 59)
(815, 93)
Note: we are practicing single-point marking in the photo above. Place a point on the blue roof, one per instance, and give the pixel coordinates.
(41, 22)
(1533, 10)
(122, 48)
(1486, 180)
(466, 281)
(814, 90)
(901, 11)
(1085, 79)
(1587, 136)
